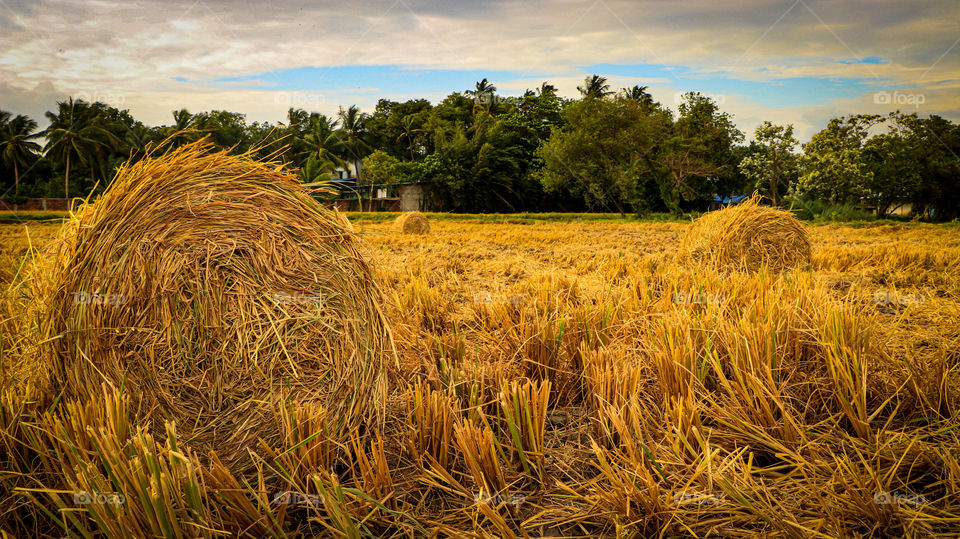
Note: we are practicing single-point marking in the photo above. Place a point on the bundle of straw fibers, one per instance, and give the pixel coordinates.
(747, 236)
(412, 222)
(206, 285)
(345, 220)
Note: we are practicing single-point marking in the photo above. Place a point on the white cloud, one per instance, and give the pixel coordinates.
(138, 49)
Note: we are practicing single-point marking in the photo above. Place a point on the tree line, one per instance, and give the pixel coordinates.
(478, 151)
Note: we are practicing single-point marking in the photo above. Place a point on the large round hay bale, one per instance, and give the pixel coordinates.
(206, 285)
(412, 222)
(747, 236)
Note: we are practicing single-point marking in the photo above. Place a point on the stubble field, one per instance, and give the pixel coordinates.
(555, 379)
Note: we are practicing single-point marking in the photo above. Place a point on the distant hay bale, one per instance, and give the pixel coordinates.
(747, 236)
(207, 284)
(412, 222)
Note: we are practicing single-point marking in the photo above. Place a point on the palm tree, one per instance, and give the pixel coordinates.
(4, 120)
(595, 86)
(18, 146)
(408, 131)
(316, 170)
(351, 135)
(297, 119)
(640, 95)
(75, 131)
(183, 131)
(319, 135)
(483, 94)
(137, 137)
(547, 89)
(483, 90)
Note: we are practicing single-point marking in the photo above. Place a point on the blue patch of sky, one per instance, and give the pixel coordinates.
(774, 92)
(381, 80)
(867, 60)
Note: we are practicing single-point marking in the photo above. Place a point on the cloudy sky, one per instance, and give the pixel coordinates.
(793, 61)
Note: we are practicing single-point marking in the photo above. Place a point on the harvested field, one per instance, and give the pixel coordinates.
(557, 379)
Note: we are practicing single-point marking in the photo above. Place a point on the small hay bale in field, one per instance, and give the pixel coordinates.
(747, 236)
(412, 222)
(206, 285)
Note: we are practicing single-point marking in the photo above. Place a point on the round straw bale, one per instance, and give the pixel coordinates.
(412, 222)
(747, 236)
(205, 285)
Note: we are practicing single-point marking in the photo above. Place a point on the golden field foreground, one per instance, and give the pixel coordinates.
(556, 379)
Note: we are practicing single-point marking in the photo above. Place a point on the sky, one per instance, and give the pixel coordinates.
(797, 61)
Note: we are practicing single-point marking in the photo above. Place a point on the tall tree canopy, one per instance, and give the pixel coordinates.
(477, 150)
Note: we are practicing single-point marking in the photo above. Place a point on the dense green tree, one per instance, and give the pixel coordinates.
(318, 139)
(455, 110)
(774, 166)
(603, 154)
(400, 128)
(894, 177)
(351, 136)
(935, 144)
(504, 149)
(122, 143)
(78, 132)
(227, 129)
(18, 148)
(833, 166)
(384, 169)
(480, 151)
(541, 110)
(482, 169)
(697, 157)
